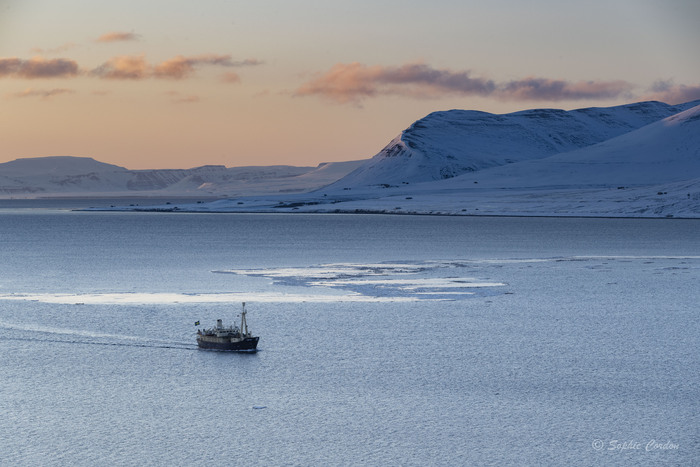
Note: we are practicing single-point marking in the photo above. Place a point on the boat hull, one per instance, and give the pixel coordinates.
(215, 343)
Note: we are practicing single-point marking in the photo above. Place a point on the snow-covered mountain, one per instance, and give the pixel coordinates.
(639, 160)
(450, 143)
(83, 176)
(56, 166)
(663, 152)
(650, 172)
(59, 174)
(636, 160)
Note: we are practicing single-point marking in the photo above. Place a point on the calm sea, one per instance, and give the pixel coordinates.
(384, 340)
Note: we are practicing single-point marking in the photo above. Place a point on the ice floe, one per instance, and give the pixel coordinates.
(418, 280)
(174, 298)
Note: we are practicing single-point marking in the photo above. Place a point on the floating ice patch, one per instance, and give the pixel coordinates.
(172, 298)
(329, 271)
(418, 280)
(411, 284)
(461, 292)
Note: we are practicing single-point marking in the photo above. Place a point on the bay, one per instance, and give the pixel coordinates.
(384, 339)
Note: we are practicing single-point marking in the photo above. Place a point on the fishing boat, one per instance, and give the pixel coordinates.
(233, 338)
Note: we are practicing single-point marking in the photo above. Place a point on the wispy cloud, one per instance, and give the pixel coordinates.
(231, 77)
(123, 67)
(350, 83)
(667, 91)
(557, 90)
(38, 68)
(136, 67)
(41, 93)
(182, 67)
(56, 50)
(118, 37)
(179, 98)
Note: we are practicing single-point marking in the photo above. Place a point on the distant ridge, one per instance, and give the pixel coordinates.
(450, 143)
(84, 176)
(636, 160)
(56, 165)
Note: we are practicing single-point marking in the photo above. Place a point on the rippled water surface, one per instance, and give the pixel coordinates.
(394, 340)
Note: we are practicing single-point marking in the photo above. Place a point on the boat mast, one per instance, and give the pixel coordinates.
(244, 324)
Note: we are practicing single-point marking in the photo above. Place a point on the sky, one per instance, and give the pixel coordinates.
(175, 84)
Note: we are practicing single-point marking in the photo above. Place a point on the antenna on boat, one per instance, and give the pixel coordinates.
(244, 324)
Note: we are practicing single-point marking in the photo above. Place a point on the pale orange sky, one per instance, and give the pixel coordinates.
(161, 85)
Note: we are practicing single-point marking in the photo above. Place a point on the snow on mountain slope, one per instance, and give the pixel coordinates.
(56, 166)
(662, 152)
(332, 171)
(450, 143)
(242, 181)
(653, 171)
(59, 174)
(212, 179)
(637, 160)
(80, 176)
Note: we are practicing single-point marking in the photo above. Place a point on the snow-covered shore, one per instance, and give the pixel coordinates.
(653, 171)
(679, 200)
(635, 160)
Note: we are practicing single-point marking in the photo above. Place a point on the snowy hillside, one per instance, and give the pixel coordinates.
(662, 152)
(82, 176)
(56, 166)
(636, 160)
(650, 171)
(59, 174)
(447, 144)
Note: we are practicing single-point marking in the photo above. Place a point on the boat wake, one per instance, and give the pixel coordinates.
(33, 333)
(181, 346)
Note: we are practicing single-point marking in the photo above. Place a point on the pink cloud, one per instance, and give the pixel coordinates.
(60, 49)
(176, 68)
(248, 62)
(667, 91)
(350, 83)
(38, 68)
(230, 77)
(344, 83)
(124, 67)
(117, 37)
(556, 90)
(9, 66)
(182, 67)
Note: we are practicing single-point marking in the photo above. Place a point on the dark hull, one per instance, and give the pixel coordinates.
(249, 343)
